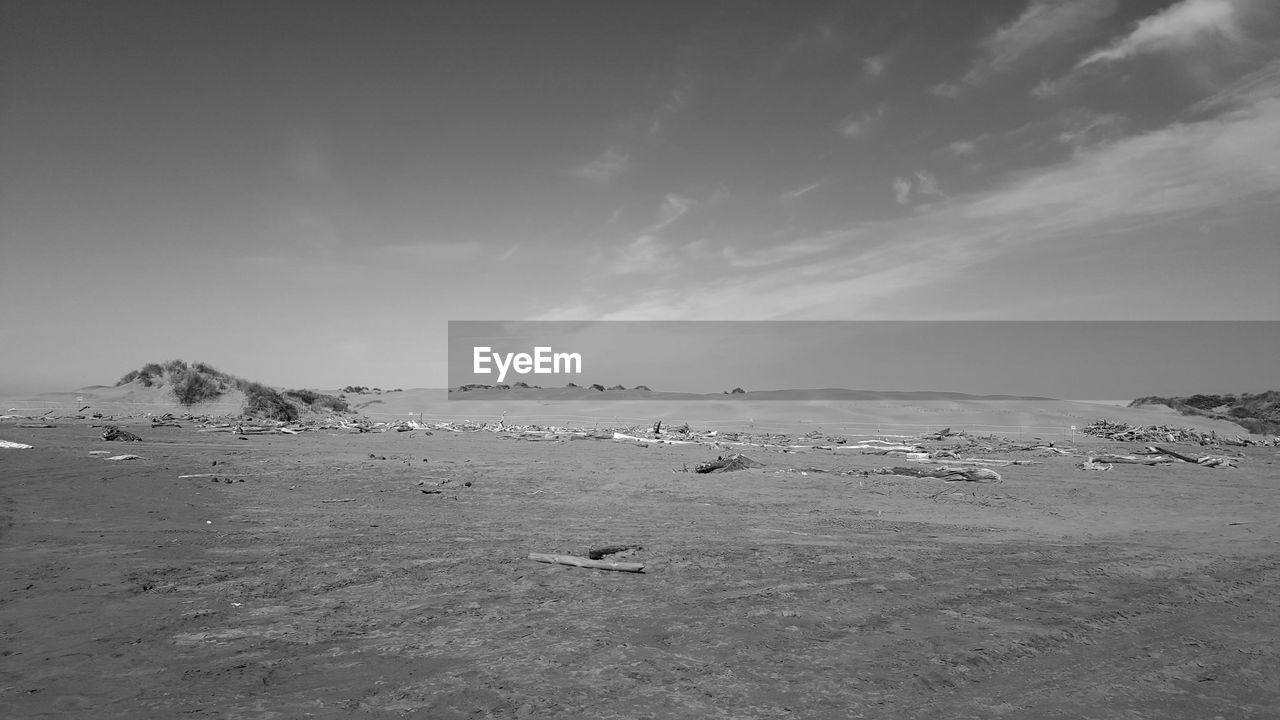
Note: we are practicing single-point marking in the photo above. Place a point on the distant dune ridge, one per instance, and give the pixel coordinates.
(157, 388)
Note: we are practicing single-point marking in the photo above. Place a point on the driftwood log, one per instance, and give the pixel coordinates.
(586, 562)
(728, 464)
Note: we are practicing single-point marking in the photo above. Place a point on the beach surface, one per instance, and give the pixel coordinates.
(339, 574)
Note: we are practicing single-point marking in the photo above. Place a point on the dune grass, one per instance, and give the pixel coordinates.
(1258, 413)
(195, 383)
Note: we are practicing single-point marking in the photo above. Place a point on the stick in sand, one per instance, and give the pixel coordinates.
(587, 562)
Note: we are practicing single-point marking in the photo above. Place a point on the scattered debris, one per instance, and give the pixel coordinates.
(1091, 464)
(113, 433)
(126, 457)
(950, 474)
(339, 500)
(1124, 432)
(734, 462)
(587, 562)
(1207, 460)
(8, 445)
(36, 426)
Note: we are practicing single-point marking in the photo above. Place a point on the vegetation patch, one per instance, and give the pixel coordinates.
(195, 383)
(1258, 413)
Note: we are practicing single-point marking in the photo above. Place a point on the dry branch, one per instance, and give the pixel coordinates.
(586, 562)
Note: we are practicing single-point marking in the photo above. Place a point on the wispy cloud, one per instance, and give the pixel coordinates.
(947, 90)
(1180, 26)
(1044, 23)
(646, 254)
(1227, 160)
(875, 66)
(921, 183)
(672, 209)
(676, 101)
(1083, 129)
(821, 39)
(860, 126)
(790, 196)
(604, 167)
(902, 190)
(786, 254)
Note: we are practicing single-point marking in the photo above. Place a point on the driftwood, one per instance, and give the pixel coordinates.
(586, 562)
(1180, 456)
(942, 473)
(114, 433)
(728, 464)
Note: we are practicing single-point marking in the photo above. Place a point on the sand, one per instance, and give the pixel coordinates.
(310, 576)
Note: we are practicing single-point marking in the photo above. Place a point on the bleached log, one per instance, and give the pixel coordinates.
(586, 562)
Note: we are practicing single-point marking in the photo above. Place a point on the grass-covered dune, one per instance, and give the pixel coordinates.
(1258, 413)
(196, 383)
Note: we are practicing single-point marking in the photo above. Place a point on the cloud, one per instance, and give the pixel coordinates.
(1085, 129)
(791, 196)
(1047, 89)
(819, 39)
(786, 253)
(927, 183)
(862, 125)
(950, 91)
(875, 66)
(1224, 163)
(645, 254)
(902, 190)
(1177, 27)
(672, 209)
(963, 148)
(604, 167)
(921, 183)
(677, 100)
(1042, 24)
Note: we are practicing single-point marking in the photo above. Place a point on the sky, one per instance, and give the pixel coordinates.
(305, 193)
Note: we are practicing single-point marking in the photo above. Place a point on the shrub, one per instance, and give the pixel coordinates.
(737, 391)
(191, 387)
(572, 385)
(330, 402)
(642, 387)
(264, 402)
(306, 396)
(617, 387)
(598, 387)
(207, 369)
